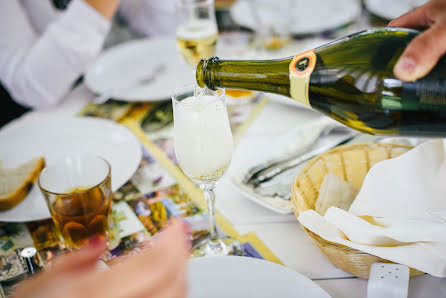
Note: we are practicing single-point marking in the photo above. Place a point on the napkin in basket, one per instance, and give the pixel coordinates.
(399, 213)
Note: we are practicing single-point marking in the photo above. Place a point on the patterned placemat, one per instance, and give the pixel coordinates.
(157, 192)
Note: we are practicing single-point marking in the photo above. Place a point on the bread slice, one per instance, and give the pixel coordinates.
(334, 191)
(16, 183)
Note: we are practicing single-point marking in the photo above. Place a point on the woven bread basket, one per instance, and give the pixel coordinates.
(351, 163)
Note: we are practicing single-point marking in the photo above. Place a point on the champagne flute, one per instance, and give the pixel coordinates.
(203, 147)
(196, 31)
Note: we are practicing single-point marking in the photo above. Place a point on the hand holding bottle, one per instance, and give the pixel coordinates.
(423, 53)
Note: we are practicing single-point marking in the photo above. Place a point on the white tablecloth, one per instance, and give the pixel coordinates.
(281, 233)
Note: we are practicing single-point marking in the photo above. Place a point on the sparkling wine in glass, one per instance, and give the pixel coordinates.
(196, 31)
(203, 147)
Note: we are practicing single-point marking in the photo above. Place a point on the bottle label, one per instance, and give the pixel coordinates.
(300, 71)
(428, 94)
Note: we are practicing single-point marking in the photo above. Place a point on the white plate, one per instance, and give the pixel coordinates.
(125, 64)
(308, 18)
(56, 137)
(242, 277)
(392, 9)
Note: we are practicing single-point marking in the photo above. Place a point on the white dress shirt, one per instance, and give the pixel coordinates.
(42, 51)
(149, 17)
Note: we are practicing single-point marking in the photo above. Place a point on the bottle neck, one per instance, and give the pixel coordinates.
(264, 75)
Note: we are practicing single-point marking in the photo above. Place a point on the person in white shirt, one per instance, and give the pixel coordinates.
(43, 50)
(39, 61)
(149, 17)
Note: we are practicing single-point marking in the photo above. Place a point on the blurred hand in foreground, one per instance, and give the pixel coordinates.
(423, 53)
(159, 272)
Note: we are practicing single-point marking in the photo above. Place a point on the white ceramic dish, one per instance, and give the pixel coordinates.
(243, 277)
(54, 138)
(126, 64)
(392, 9)
(272, 203)
(308, 17)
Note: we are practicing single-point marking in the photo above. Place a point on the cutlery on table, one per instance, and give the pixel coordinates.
(279, 168)
(255, 171)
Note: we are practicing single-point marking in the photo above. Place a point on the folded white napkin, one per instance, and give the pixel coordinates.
(399, 214)
(412, 185)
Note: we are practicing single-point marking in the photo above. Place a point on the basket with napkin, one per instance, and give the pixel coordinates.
(399, 214)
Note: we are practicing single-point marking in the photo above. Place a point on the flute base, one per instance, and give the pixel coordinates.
(223, 247)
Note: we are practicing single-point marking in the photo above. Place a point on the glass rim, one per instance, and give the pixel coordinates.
(193, 85)
(193, 4)
(77, 192)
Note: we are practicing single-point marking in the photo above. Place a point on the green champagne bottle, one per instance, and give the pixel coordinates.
(350, 80)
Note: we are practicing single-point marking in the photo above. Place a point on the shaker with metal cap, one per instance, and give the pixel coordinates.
(28, 254)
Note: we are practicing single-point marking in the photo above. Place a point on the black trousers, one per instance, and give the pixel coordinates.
(9, 109)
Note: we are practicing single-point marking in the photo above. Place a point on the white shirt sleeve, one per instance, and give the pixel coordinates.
(39, 71)
(150, 17)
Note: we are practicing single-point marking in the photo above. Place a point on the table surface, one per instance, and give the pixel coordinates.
(281, 233)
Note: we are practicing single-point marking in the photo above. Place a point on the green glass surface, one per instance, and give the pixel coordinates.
(352, 82)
